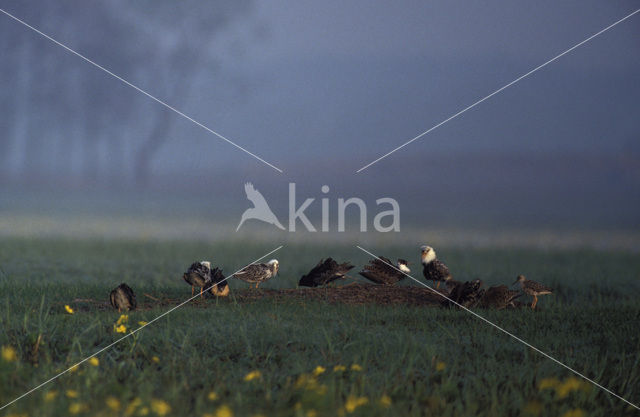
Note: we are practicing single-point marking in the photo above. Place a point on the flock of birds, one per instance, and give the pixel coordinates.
(380, 270)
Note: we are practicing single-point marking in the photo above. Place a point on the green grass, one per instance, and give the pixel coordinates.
(428, 361)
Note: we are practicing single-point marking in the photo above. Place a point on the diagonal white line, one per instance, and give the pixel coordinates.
(496, 92)
(132, 333)
(173, 109)
(505, 331)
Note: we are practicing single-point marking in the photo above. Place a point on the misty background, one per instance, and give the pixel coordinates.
(319, 89)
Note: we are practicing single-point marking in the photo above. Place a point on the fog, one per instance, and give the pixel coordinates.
(319, 89)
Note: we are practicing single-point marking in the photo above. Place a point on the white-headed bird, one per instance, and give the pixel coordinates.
(432, 268)
(258, 273)
(198, 275)
(382, 271)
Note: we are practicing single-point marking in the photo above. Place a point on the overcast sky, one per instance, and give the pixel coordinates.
(363, 77)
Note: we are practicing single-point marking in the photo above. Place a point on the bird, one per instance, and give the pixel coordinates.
(466, 294)
(260, 209)
(381, 271)
(198, 275)
(324, 272)
(258, 273)
(532, 288)
(434, 269)
(123, 298)
(219, 287)
(499, 297)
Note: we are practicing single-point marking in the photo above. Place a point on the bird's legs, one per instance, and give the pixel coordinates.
(438, 285)
(192, 290)
(257, 283)
(201, 292)
(535, 301)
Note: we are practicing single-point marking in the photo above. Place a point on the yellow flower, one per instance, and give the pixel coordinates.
(113, 403)
(310, 383)
(356, 367)
(143, 411)
(319, 370)
(94, 361)
(123, 319)
(160, 407)
(385, 401)
(312, 413)
(569, 385)
(548, 383)
(68, 309)
(142, 323)
(120, 329)
(252, 375)
(212, 396)
(74, 368)
(339, 368)
(355, 402)
(440, 366)
(574, 413)
(9, 354)
(224, 411)
(50, 396)
(155, 359)
(77, 408)
(71, 393)
(132, 406)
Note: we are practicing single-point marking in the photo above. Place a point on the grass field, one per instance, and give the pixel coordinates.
(312, 359)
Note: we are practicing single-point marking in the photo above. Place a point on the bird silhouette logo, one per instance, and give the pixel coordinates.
(260, 209)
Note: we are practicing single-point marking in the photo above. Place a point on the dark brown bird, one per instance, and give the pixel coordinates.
(532, 288)
(198, 275)
(219, 287)
(123, 298)
(466, 294)
(432, 268)
(324, 272)
(499, 297)
(381, 271)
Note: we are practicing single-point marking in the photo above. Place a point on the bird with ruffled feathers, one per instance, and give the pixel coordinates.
(325, 272)
(198, 275)
(432, 268)
(123, 298)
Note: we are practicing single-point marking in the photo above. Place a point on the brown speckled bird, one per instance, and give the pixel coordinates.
(258, 273)
(382, 271)
(532, 288)
(499, 297)
(324, 272)
(123, 298)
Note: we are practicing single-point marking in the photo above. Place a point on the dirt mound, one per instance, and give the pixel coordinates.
(354, 294)
(350, 294)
